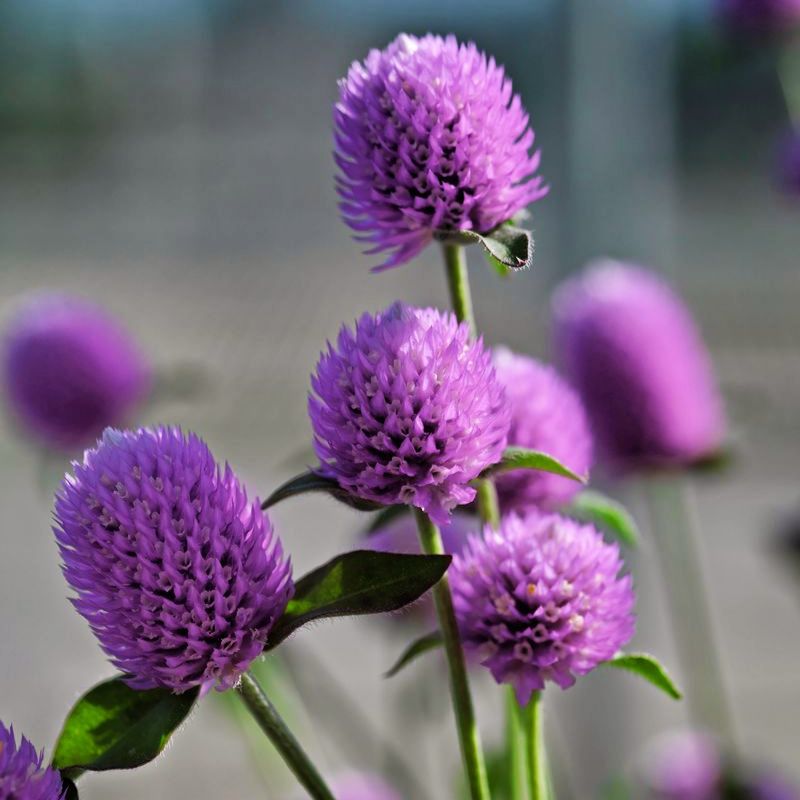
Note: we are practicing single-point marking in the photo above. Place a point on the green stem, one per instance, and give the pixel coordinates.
(515, 748)
(537, 760)
(682, 572)
(488, 505)
(469, 738)
(455, 262)
(281, 737)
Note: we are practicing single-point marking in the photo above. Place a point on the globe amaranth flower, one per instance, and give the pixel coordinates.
(546, 415)
(23, 774)
(540, 599)
(430, 136)
(178, 575)
(632, 350)
(70, 370)
(788, 167)
(406, 409)
(759, 17)
(364, 787)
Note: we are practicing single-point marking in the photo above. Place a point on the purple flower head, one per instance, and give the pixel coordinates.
(179, 577)
(23, 775)
(541, 599)
(406, 409)
(546, 415)
(759, 17)
(684, 765)
(632, 350)
(364, 787)
(788, 168)
(430, 136)
(70, 370)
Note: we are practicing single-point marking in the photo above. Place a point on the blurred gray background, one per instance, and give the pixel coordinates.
(172, 160)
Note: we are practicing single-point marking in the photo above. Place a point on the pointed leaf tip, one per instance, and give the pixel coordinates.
(115, 727)
(312, 481)
(356, 583)
(648, 667)
(523, 458)
(607, 514)
(507, 246)
(422, 645)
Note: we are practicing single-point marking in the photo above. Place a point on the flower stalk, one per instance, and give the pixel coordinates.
(469, 737)
(539, 788)
(271, 722)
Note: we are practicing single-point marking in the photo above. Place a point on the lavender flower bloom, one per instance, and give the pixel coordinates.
(407, 410)
(364, 787)
(632, 350)
(546, 415)
(70, 370)
(23, 775)
(541, 599)
(759, 16)
(179, 577)
(429, 136)
(685, 765)
(788, 169)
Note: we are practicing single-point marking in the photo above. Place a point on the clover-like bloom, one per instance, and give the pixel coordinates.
(23, 774)
(630, 347)
(179, 576)
(70, 370)
(546, 415)
(788, 169)
(540, 599)
(759, 16)
(406, 409)
(430, 137)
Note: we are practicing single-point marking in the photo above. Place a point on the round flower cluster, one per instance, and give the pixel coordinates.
(430, 136)
(179, 577)
(546, 415)
(406, 409)
(632, 350)
(541, 599)
(70, 370)
(23, 775)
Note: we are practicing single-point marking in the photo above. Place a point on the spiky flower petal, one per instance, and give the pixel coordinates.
(541, 599)
(406, 409)
(178, 575)
(630, 347)
(23, 774)
(546, 415)
(70, 370)
(430, 136)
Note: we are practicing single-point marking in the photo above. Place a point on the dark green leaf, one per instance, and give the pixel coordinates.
(649, 668)
(607, 514)
(312, 482)
(361, 582)
(522, 458)
(115, 727)
(428, 642)
(498, 266)
(510, 246)
(71, 791)
(386, 516)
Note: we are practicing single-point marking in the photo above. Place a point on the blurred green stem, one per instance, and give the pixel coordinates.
(281, 737)
(682, 572)
(515, 748)
(468, 735)
(537, 760)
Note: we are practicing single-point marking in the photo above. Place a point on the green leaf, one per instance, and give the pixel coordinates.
(115, 727)
(522, 458)
(422, 645)
(70, 790)
(386, 516)
(609, 515)
(649, 668)
(361, 582)
(510, 246)
(312, 482)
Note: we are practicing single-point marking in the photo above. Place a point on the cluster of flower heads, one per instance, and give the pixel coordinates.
(178, 575)
(546, 415)
(407, 409)
(630, 347)
(23, 774)
(540, 599)
(430, 136)
(70, 370)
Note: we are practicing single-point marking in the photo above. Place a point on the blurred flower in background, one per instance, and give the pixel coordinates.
(23, 775)
(788, 164)
(630, 347)
(546, 415)
(759, 16)
(70, 370)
